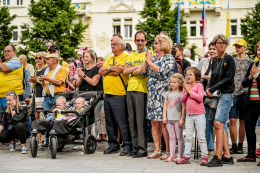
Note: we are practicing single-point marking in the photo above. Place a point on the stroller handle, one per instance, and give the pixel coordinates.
(65, 112)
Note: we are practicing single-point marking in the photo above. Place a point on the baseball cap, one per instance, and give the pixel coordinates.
(240, 42)
(53, 47)
(56, 56)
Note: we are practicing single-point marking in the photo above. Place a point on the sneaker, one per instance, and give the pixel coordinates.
(24, 150)
(203, 161)
(233, 150)
(228, 161)
(215, 162)
(183, 160)
(258, 152)
(78, 147)
(240, 150)
(41, 116)
(12, 147)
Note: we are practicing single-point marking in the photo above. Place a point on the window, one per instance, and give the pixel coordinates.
(19, 2)
(128, 31)
(6, 2)
(128, 20)
(117, 30)
(23, 29)
(192, 29)
(15, 33)
(117, 20)
(233, 27)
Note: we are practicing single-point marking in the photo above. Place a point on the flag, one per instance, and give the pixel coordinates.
(204, 26)
(178, 26)
(228, 24)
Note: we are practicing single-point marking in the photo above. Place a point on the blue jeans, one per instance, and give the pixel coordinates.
(258, 121)
(238, 109)
(209, 131)
(3, 103)
(199, 122)
(49, 102)
(29, 125)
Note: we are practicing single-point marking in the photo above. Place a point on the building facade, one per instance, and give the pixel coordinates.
(107, 17)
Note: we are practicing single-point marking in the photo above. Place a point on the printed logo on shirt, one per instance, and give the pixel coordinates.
(225, 64)
(138, 62)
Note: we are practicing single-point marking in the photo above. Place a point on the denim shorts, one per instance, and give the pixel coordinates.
(239, 107)
(223, 108)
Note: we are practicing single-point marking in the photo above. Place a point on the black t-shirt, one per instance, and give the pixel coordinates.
(224, 83)
(91, 73)
(38, 86)
(185, 64)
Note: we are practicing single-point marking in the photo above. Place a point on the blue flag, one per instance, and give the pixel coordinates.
(178, 26)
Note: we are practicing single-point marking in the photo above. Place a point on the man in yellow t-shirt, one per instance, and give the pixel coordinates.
(136, 96)
(53, 81)
(115, 97)
(53, 49)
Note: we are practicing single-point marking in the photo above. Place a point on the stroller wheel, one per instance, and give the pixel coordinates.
(53, 147)
(60, 148)
(90, 144)
(34, 146)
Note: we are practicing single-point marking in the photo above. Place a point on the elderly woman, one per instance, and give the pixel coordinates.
(222, 79)
(205, 76)
(252, 80)
(159, 69)
(90, 80)
(14, 124)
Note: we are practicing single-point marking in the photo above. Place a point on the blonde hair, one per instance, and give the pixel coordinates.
(222, 37)
(42, 54)
(101, 58)
(180, 80)
(80, 98)
(165, 42)
(14, 95)
(93, 56)
(61, 98)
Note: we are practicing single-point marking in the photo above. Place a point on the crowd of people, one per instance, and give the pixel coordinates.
(146, 94)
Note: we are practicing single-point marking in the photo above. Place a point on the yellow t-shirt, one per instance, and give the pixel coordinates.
(137, 82)
(61, 75)
(256, 59)
(113, 84)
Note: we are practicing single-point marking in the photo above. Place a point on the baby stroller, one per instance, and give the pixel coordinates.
(63, 132)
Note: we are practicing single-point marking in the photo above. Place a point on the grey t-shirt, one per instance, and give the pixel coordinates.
(174, 105)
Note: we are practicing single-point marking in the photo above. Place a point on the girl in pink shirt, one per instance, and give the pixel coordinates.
(192, 95)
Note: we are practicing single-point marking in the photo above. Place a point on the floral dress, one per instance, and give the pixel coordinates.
(158, 85)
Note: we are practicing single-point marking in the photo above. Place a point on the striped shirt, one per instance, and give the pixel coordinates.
(254, 93)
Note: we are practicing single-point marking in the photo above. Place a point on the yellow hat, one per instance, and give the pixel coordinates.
(240, 42)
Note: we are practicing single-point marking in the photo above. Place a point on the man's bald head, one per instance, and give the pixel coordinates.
(23, 58)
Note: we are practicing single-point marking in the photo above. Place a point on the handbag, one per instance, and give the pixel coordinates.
(212, 103)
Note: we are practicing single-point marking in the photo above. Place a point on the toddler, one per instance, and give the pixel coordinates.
(192, 95)
(174, 115)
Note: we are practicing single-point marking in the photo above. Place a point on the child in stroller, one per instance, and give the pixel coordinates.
(64, 132)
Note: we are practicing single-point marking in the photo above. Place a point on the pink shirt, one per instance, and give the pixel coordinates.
(194, 101)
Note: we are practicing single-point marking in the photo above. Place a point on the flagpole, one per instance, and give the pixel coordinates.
(205, 35)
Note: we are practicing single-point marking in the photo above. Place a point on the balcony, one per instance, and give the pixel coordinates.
(197, 5)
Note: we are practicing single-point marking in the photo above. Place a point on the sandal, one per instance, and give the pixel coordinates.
(165, 156)
(155, 155)
(170, 159)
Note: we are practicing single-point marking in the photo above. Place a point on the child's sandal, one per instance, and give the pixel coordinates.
(165, 156)
(170, 159)
(155, 155)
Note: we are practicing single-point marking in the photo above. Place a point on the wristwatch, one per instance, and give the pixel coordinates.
(13, 109)
(84, 76)
(108, 68)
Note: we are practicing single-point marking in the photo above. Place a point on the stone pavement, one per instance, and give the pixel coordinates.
(69, 161)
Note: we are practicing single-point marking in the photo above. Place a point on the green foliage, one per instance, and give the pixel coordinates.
(192, 50)
(156, 18)
(6, 31)
(52, 21)
(250, 27)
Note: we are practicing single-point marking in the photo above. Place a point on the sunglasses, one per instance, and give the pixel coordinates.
(156, 43)
(40, 58)
(139, 41)
(11, 93)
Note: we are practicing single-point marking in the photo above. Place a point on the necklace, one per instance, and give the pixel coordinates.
(218, 63)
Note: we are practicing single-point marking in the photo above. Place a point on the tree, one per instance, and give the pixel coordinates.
(156, 17)
(6, 31)
(52, 21)
(250, 27)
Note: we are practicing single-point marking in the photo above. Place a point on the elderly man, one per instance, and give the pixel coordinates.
(53, 49)
(137, 96)
(11, 75)
(29, 67)
(187, 55)
(115, 97)
(53, 80)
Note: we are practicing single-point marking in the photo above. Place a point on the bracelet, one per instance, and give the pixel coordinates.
(13, 109)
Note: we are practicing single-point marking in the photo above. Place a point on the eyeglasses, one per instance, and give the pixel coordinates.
(221, 43)
(11, 93)
(156, 43)
(186, 75)
(36, 58)
(115, 44)
(140, 40)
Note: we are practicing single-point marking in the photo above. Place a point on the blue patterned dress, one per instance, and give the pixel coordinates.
(158, 85)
